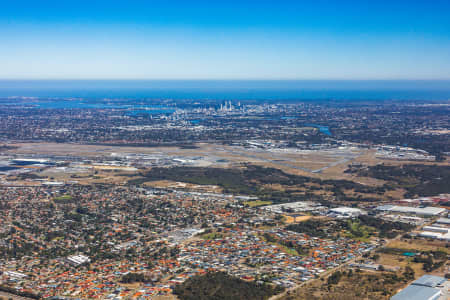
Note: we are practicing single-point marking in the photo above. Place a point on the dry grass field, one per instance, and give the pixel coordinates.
(414, 246)
(356, 285)
(420, 245)
(295, 219)
(183, 185)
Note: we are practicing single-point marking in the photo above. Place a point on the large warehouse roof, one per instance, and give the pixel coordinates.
(430, 281)
(417, 292)
(430, 211)
(427, 287)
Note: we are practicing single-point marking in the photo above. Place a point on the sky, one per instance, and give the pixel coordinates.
(243, 39)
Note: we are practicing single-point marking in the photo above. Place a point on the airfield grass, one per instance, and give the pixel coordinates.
(257, 203)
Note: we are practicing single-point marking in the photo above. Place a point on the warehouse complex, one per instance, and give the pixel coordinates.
(427, 287)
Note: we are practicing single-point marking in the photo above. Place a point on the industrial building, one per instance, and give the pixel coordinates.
(445, 221)
(439, 230)
(423, 211)
(427, 287)
(345, 212)
(15, 275)
(293, 207)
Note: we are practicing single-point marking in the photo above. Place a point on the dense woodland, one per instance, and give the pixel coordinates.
(385, 229)
(221, 286)
(360, 227)
(317, 228)
(417, 180)
(254, 180)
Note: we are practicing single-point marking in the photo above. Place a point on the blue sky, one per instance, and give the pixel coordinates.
(225, 39)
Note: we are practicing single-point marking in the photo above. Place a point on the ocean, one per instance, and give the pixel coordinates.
(265, 90)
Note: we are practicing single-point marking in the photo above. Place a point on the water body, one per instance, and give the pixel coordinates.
(322, 128)
(90, 103)
(268, 90)
(30, 163)
(133, 110)
(7, 168)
